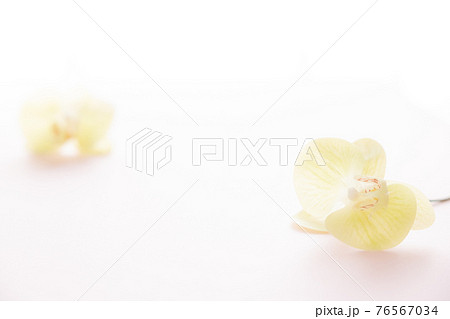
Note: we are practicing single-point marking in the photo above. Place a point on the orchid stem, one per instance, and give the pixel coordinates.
(441, 200)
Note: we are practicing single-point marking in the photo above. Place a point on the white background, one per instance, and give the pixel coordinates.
(64, 223)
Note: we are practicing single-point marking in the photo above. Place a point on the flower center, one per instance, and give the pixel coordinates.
(367, 192)
(63, 126)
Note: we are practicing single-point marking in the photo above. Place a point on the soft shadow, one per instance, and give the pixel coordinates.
(56, 160)
(67, 155)
(397, 262)
(388, 274)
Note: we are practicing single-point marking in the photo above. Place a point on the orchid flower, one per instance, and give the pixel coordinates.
(48, 124)
(348, 197)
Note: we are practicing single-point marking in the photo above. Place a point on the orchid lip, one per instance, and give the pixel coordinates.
(366, 192)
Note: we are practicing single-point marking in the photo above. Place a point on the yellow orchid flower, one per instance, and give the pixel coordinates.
(48, 124)
(349, 198)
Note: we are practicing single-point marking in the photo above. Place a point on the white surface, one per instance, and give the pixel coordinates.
(62, 224)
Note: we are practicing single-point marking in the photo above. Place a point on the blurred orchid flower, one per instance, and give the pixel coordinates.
(48, 124)
(349, 198)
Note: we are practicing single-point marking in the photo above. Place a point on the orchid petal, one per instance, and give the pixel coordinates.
(425, 215)
(305, 220)
(94, 119)
(322, 189)
(43, 126)
(382, 227)
(374, 156)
